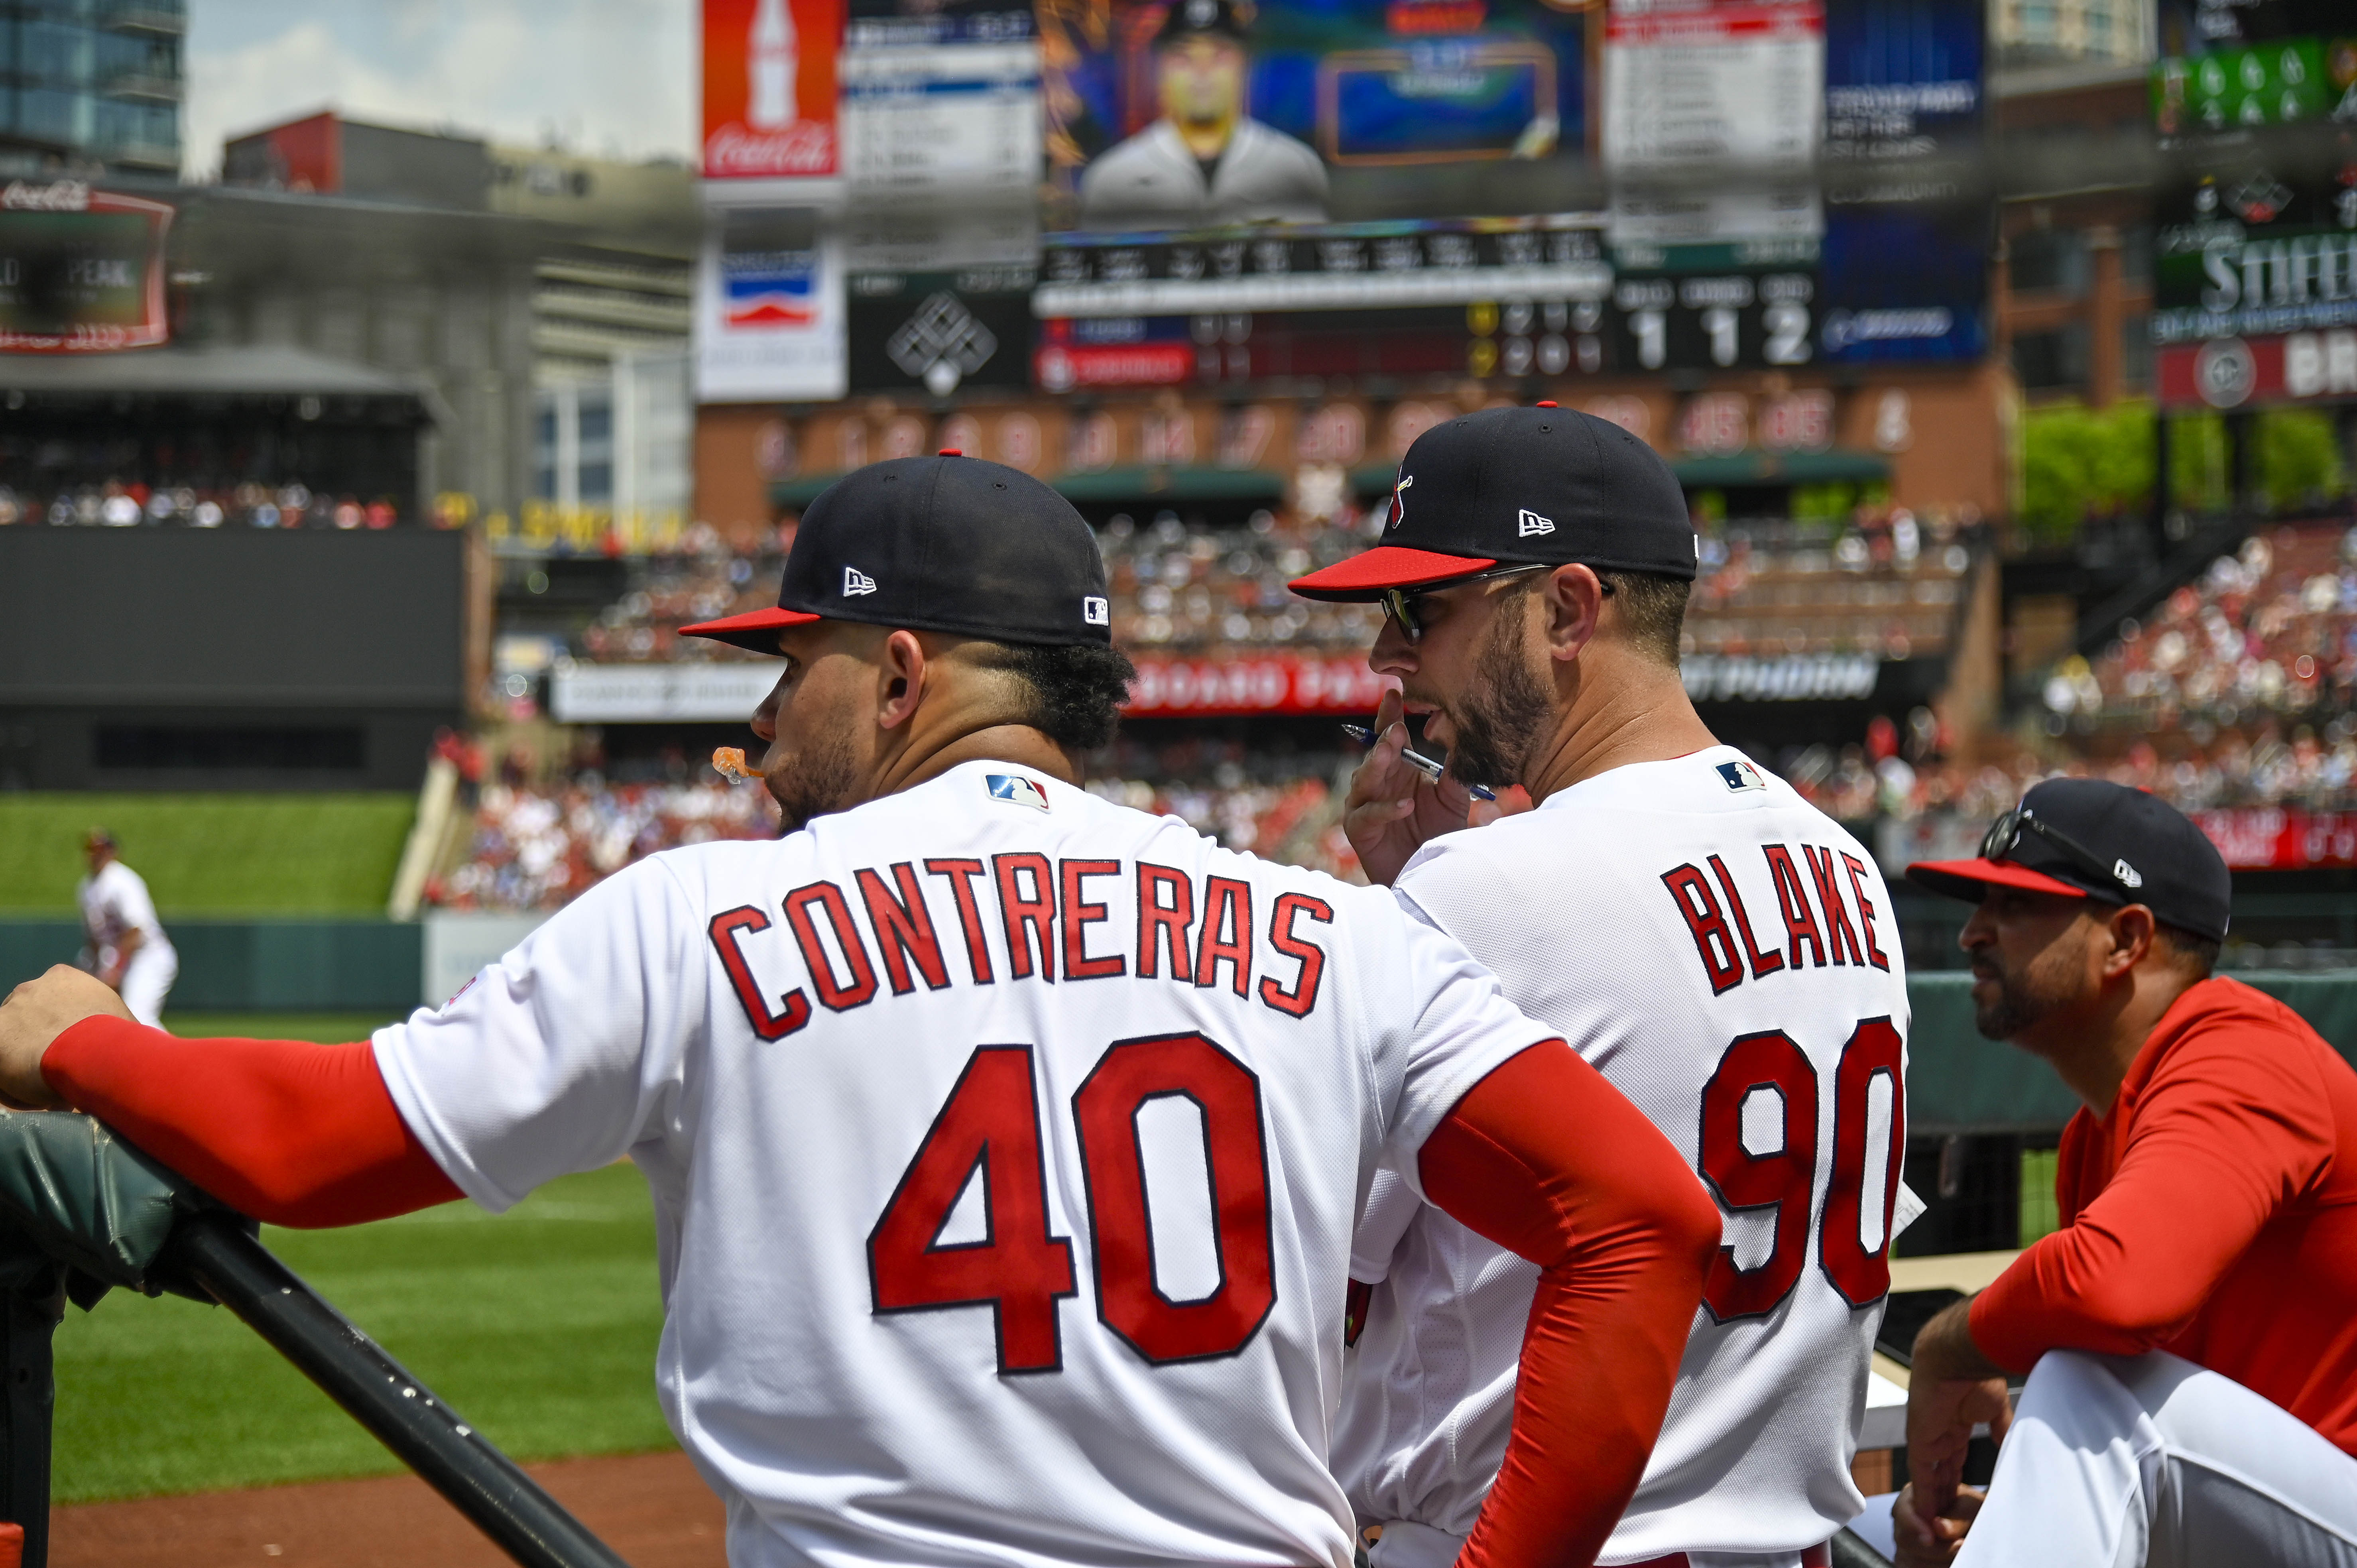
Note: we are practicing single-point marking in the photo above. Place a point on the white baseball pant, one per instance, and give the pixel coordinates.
(2117, 1462)
(146, 980)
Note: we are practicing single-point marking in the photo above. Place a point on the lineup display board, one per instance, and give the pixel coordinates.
(1698, 85)
(941, 100)
(1598, 188)
(1186, 259)
(81, 271)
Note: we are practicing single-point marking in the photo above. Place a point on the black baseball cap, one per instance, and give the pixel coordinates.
(1187, 18)
(1520, 487)
(2089, 838)
(942, 544)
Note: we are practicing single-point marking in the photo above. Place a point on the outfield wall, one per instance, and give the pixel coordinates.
(1958, 1082)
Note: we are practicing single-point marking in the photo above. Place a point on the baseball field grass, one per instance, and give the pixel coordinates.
(539, 1326)
(210, 854)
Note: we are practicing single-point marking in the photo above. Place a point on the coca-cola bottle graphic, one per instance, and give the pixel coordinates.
(771, 65)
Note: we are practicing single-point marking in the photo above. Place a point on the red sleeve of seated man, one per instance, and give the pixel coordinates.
(290, 1133)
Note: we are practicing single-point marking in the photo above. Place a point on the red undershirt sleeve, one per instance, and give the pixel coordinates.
(1548, 1160)
(2232, 1130)
(285, 1131)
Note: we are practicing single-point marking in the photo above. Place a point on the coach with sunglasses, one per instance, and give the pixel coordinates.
(2190, 1333)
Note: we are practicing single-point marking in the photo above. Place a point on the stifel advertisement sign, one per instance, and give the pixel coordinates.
(769, 88)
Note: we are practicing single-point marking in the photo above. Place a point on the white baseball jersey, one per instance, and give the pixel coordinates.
(1006, 1147)
(1728, 956)
(114, 903)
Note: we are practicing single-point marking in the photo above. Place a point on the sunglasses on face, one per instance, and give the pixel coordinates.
(2005, 835)
(1404, 605)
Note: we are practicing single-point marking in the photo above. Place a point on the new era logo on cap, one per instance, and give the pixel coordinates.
(856, 582)
(2129, 874)
(1528, 523)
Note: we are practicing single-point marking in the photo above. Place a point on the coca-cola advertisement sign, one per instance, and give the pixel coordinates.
(769, 88)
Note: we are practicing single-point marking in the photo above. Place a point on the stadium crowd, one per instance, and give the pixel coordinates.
(247, 505)
(2268, 632)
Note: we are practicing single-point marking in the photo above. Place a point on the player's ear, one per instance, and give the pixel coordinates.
(2131, 932)
(1574, 606)
(900, 679)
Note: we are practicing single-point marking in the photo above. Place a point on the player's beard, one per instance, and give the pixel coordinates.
(822, 776)
(2024, 994)
(1506, 710)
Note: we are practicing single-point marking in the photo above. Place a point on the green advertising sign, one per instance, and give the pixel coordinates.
(2262, 84)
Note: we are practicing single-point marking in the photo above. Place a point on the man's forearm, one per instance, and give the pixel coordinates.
(1946, 1351)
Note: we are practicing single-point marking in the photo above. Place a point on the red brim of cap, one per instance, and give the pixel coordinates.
(1364, 576)
(756, 631)
(1968, 879)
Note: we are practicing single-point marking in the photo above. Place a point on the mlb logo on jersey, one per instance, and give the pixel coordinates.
(1741, 775)
(1014, 787)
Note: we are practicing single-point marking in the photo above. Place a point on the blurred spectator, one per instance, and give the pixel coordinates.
(535, 849)
(247, 504)
(2268, 631)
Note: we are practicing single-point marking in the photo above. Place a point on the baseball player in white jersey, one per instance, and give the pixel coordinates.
(1722, 951)
(123, 942)
(1006, 1144)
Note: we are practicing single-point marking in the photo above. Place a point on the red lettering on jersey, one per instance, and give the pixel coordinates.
(1800, 921)
(1304, 994)
(1874, 1051)
(1030, 917)
(1079, 916)
(1021, 1268)
(1162, 928)
(1865, 909)
(861, 988)
(1691, 894)
(1235, 1147)
(769, 1026)
(1828, 876)
(904, 928)
(961, 875)
(1763, 964)
(1741, 1179)
(1227, 936)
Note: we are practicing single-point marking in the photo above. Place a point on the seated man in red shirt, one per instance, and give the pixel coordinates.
(2190, 1333)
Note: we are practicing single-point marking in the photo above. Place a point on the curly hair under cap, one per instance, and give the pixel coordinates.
(1077, 689)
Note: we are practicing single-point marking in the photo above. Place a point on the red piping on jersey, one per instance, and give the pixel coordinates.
(284, 1131)
(1549, 1161)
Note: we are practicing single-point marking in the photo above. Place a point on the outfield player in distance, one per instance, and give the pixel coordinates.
(123, 942)
(1718, 947)
(2191, 1332)
(1006, 1144)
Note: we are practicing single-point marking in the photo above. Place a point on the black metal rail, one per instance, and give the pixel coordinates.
(380, 1394)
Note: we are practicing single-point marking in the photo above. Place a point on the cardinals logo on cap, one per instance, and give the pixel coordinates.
(1399, 504)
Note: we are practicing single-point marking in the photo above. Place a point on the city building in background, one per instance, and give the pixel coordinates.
(91, 87)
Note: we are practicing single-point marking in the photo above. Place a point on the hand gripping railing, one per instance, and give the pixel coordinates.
(82, 1212)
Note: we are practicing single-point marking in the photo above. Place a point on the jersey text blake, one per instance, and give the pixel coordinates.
(1045, 913)
(1807, 939)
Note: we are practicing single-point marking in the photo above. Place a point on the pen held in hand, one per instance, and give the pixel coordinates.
(1417, 760)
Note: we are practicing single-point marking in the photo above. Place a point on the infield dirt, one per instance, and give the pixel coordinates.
(650, 1507)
